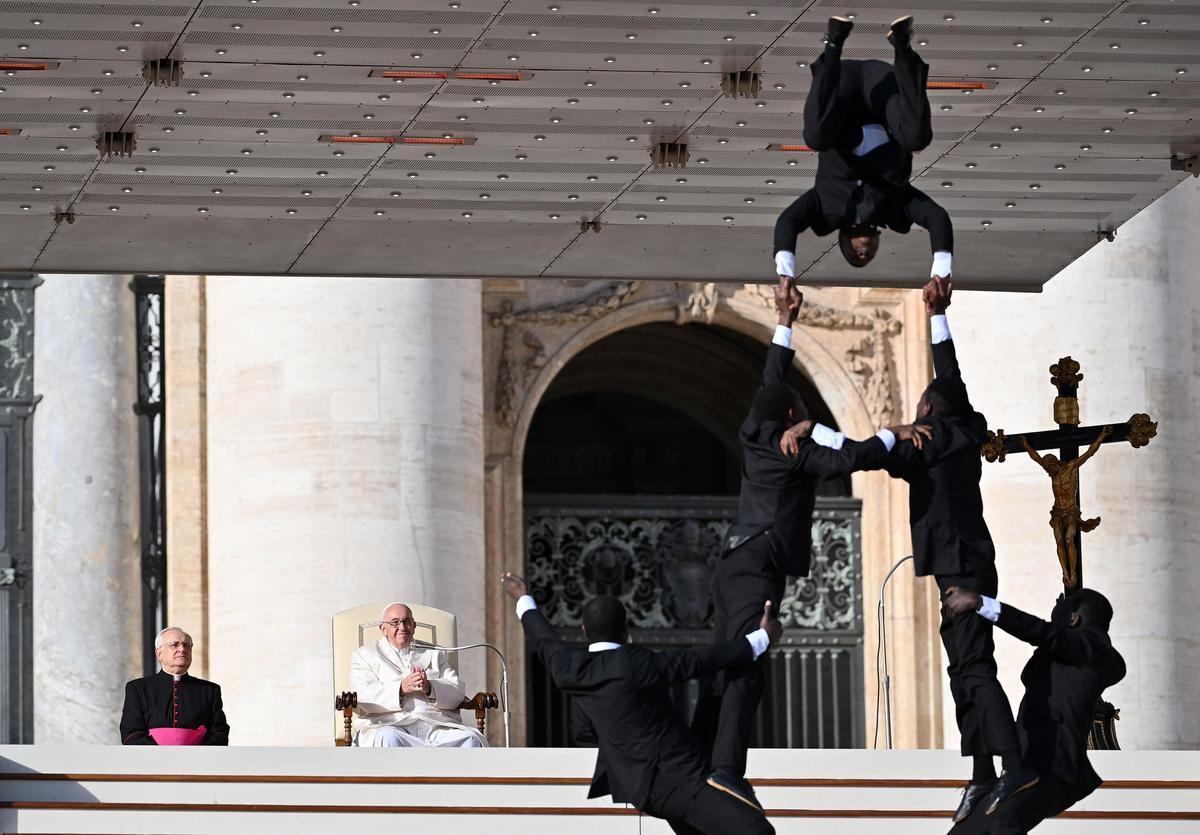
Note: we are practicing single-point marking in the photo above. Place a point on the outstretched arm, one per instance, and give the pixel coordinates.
(1033, 453)
(1068, 645)
(779, 356)
(546, 642)
(937, 295)
(674, 666)
(924, 211)
(1094, 448)
(792, 221)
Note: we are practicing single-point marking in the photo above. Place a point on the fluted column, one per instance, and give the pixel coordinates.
(1129, 312)
(86, 564)
(345, 465)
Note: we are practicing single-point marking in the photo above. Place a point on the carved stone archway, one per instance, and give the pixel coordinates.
(850, 343)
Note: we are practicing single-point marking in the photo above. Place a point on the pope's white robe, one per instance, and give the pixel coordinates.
(376, 672)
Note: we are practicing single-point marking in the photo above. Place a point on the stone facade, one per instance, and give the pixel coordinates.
(340, 441)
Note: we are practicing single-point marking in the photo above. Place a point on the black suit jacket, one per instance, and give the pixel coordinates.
(623, 693)
(1063, 680)
(944, 504)
(884, 174)
(148, 705)
(778, 493)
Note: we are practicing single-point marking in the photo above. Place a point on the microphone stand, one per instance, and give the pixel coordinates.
(887, 679)
(503, 674)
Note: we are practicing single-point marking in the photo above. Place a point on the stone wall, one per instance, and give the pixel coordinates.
(1129, 312)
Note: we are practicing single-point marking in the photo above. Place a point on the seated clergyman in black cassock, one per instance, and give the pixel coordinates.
(1073, 663)
(171, 707)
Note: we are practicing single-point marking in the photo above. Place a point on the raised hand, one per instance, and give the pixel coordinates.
(514, 586)
(788, 299)
(789, 442)
(770, 623)
(917, 433)
(936, 294)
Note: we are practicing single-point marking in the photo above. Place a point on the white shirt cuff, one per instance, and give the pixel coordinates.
(990, 608)
(758, 642)
(524, 603)
(888, 437)
(783, 336)
(785, 263)
(827, 437)
(939, 329)
(941, 264)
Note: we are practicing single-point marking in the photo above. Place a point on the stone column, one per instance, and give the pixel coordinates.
(345, 466)
(87, 588)
(1129, 312)
(186, 462)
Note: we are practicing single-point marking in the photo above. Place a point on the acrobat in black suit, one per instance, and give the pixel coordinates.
(866, 119)
(951, 541)
(647, 756)
(771, 538)
(1073, 663)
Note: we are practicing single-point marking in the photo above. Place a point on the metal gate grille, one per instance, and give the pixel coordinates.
(657, 554)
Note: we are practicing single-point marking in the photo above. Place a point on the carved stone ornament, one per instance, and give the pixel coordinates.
(1065, 372)
(869, 359)
(696, 301)
(1141, 429)
(993, 447)
(513, 374)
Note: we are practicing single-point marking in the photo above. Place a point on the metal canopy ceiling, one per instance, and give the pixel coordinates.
(1086, 104)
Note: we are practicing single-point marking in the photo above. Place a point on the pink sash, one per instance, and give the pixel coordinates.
(179, 736)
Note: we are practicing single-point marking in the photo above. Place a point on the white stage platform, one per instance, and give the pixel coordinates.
(525, 790)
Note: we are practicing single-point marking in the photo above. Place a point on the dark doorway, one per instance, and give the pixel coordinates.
(631, 474)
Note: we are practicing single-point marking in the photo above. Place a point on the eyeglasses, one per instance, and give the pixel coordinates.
(395, 623)
(177, 645)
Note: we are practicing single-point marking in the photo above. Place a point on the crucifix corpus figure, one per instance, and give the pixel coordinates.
(1065, 519)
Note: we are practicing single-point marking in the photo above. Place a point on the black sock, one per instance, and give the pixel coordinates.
(985, 769)
(1010, 761)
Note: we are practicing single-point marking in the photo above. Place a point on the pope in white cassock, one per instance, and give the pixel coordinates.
(407, 698)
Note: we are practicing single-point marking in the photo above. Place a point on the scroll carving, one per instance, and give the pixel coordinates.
(517, 367)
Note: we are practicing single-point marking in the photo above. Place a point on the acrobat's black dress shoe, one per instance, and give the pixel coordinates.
(738, 788)
(972, 794)
(900, 32)
(838, 31)
(1010, 784)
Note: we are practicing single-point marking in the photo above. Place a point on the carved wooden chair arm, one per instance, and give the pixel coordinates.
(481, 703)
(346, 703)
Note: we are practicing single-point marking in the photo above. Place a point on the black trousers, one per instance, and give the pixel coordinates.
(707, 812)
(1050, 797)
(847, 94)
(984, 714)
(746, 577)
